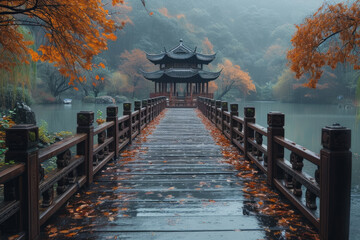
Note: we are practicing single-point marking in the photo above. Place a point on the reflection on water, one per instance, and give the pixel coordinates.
(303, 123)
(62, 117)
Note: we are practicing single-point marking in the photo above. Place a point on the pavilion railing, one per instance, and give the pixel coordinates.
(330, 185)
(32, 195)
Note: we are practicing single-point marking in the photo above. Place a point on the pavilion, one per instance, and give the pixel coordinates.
(181, 77)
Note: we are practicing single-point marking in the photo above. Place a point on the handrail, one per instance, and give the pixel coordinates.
(42, 193)
(333, 163)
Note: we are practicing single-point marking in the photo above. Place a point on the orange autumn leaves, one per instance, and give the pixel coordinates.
(233, 75)
(337, 26)
(165, 12)
(75, 32)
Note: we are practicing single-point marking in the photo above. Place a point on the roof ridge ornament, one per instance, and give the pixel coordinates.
(181, 41)
(165, 50)
(195, 49)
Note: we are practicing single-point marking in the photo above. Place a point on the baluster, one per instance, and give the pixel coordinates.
(310, 199)
(101, 154)
(101, 137)
(121, 137)
(288, 181)
(63, 160)
(48, 196)
(265, 160)
(41, 173)
(10, 191)
(259, 141)
(317, 175)
(297, 164)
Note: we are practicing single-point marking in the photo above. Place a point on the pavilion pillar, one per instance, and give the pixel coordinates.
(187, 89)
(175, 89)
(155, 87)
(207, 88)
(171, 89)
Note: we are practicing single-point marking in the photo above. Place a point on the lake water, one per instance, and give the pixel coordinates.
(303, 123)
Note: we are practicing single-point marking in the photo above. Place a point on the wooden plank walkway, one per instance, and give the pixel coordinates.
(170, 184)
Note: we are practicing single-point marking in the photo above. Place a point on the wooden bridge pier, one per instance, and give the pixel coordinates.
(173, 182)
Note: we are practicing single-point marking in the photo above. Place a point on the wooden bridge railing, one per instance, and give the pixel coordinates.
(331, 183)
(31, 196)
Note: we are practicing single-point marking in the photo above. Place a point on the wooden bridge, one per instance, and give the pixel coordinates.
(183, 177)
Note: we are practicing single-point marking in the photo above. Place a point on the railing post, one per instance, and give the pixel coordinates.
(335, 182)
(276, 121)
(22, 142)
(249, 117)
(150, 110)
(217, 113)
(137, 107)
(234, 112)
(208, 108)
(112, 116)
(127, 111)
(224, 108)
(85, 120)
(144, 104)
(213, 112)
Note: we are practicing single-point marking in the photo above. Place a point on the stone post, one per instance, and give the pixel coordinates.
(85, 120)
(276, 121)
(112, 116)
(22, 141)
(233, 112)
(224, 108)
(335, 182)
(128, 123)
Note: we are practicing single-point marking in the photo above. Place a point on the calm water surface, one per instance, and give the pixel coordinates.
(303, 123)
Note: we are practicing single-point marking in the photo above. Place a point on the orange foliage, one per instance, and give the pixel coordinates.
(337, 25)
(209, 48)
(232, 75)
(74, 31)
(165, 12)
(131, 63)
(190, 27)
(179, 16)
(274, 50)
(213, 86)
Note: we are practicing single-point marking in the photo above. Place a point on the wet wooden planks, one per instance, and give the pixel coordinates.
(175, 185)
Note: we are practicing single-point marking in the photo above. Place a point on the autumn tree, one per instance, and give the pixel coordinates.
(54, 82)
(233, 77)
(131, 64)
(75, 32)
(329, 37)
